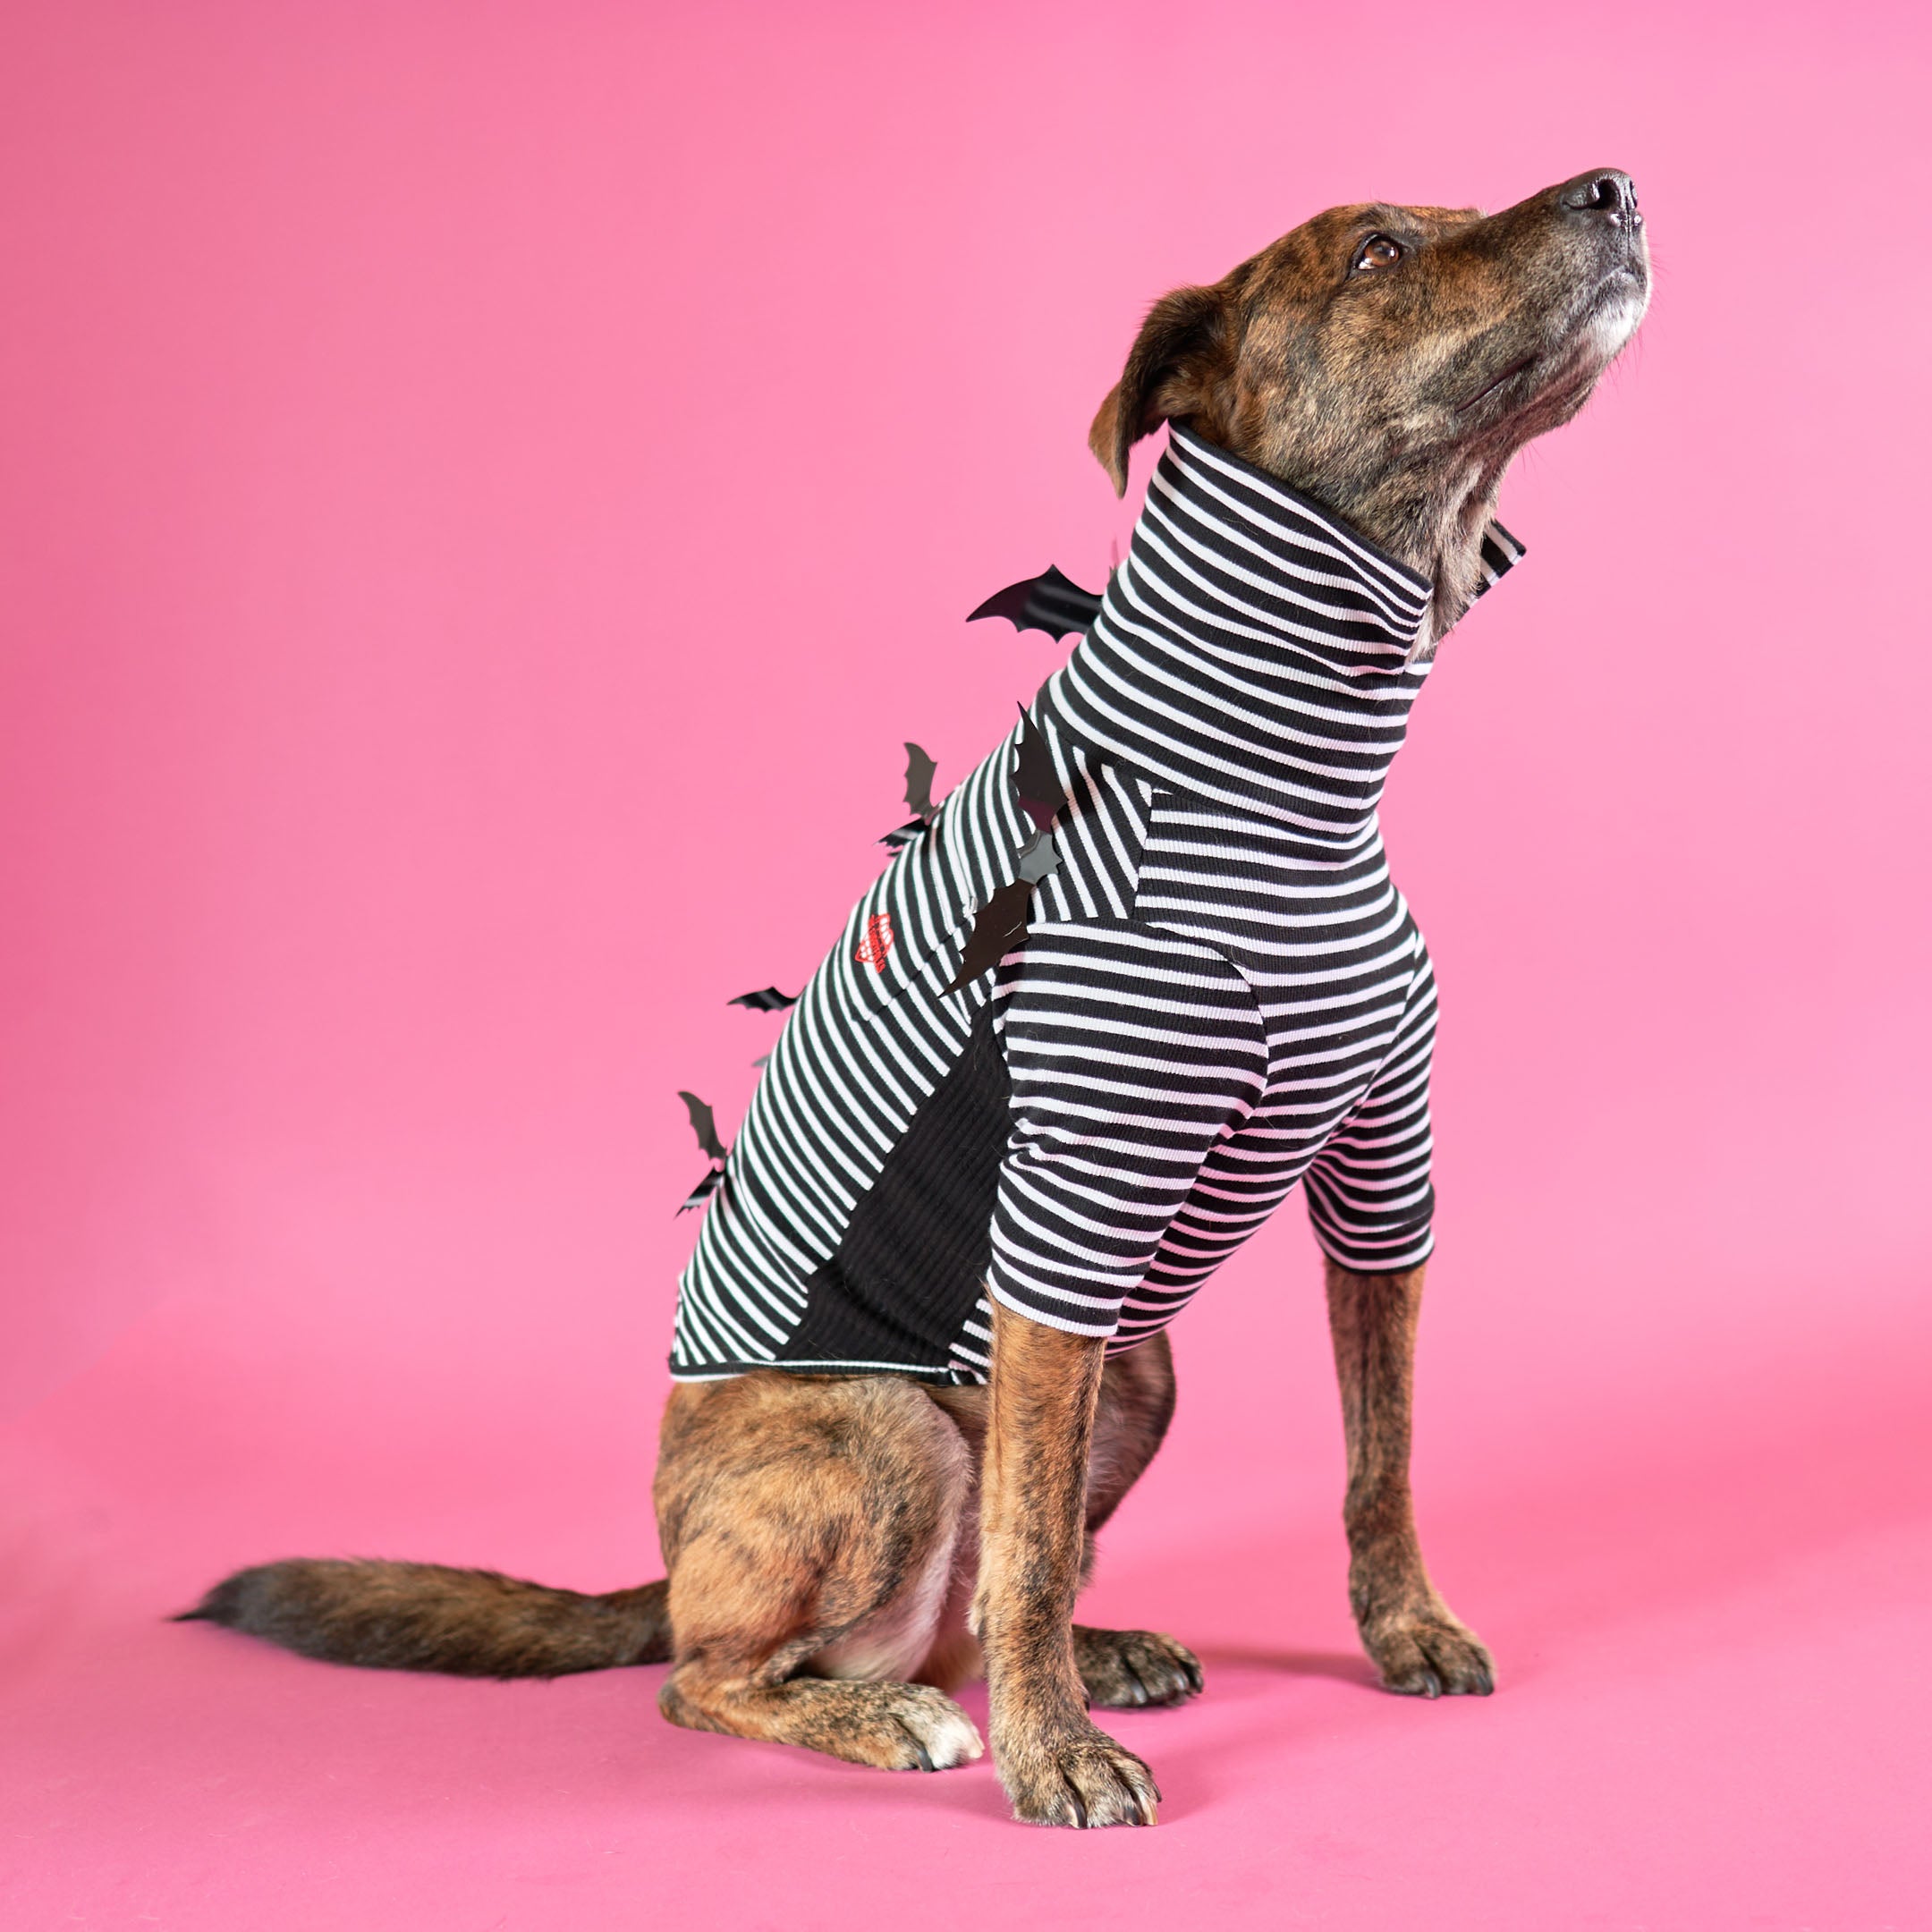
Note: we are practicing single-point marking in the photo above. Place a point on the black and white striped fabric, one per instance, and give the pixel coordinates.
(1219, 991)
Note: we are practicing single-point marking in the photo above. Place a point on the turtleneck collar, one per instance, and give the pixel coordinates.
(1254, 650)
(1262, 555)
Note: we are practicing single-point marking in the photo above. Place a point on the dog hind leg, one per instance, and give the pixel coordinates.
(809, 1525)
(1411, 1634)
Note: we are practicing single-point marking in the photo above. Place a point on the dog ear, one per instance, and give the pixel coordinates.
(1170, 372)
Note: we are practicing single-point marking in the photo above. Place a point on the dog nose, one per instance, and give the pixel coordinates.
(1607, 193)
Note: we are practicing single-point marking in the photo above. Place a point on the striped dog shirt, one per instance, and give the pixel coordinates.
(1216, 991)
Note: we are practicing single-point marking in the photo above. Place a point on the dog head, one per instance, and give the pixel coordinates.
(1389, 361)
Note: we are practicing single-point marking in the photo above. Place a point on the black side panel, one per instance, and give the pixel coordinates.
(912, 1263)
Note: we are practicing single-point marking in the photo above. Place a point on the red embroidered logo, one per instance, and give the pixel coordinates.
(877, 942)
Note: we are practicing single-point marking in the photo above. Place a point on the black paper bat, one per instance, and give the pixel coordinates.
(919, 770)
(702, 1193)
(1001, 922)
(1003, 917)
(1035, 781)
(767, 999)
(703, 1125)
(1048, 602)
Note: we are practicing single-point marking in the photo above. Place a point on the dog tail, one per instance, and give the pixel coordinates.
(424, 1617)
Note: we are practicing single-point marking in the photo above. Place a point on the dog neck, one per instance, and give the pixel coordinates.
(1432, 517)
(1437, 531)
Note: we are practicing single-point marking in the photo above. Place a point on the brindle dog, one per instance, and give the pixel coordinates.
(842, 1551)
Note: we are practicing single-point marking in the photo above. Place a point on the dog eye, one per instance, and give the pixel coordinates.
(1378, 252)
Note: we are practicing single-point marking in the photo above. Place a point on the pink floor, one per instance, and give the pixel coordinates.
(488, 488)
(1707, 1600)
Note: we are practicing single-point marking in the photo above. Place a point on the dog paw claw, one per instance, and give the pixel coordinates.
(1084, 1783)
(1130, 1670)
(1431, 1657)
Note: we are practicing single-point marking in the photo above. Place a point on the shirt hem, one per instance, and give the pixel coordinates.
(1411, 1257)
(1048, 1321)
(725, 1372)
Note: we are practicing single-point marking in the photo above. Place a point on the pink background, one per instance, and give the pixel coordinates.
(488, 489)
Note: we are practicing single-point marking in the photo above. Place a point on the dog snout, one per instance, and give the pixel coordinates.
(1604, 195)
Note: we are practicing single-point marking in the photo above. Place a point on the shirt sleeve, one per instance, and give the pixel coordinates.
(1369, 1197)
(1132, 1052)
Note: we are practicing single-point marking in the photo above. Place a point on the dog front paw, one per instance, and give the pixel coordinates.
(1125, 1669)
(1429, 1654)
(1081, 1778)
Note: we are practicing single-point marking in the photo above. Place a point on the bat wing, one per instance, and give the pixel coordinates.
(703, 1125)
(1049, 602)
(1001, 922)
(767, 999)
(703, 1191)
(1035, 780)
(919, 770)
(1038, 857)
(902, 835)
